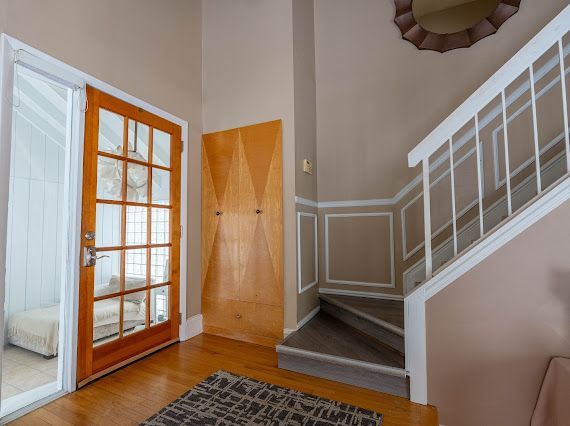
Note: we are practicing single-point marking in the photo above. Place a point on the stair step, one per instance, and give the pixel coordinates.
(380, 319)
(327, 347)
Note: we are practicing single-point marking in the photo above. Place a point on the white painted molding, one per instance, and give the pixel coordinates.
(193, 326)
(308, 317)
(367, 294)
(390, 216)
(313, 283)
(306, 202)
(356, 203)
(415, 344)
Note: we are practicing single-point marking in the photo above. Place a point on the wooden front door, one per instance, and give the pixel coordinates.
(242, 233)
(129, 281)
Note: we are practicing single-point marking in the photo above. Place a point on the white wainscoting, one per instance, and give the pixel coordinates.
(390, 216)
(302, 288)
(34, 255)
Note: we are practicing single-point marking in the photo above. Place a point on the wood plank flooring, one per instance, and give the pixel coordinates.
(135, 392)
(328, 335)
(391, 311)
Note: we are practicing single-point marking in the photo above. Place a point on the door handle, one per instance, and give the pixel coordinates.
(258, 211)
(89, 256)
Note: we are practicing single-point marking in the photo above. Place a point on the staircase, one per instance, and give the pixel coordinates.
(354, 340)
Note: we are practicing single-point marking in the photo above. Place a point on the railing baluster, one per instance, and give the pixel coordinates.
(453, 211)
(479, 175)
(535, 130)
(506, 149)
(427, 218)
(564, 102)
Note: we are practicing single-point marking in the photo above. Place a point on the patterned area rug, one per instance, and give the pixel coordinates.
(228, 399)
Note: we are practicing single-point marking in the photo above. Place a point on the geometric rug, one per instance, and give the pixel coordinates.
(229, 399)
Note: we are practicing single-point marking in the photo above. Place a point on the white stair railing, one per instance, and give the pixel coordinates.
(550, 37)
(469, 111)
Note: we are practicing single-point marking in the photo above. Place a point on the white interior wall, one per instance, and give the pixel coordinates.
(35, 210)
(34, 221)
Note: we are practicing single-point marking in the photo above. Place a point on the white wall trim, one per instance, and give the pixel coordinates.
(356, 203)
(390, 216)
(308, 317)
(367, 294)
(306, 202)
(313, 283)
(193, 327)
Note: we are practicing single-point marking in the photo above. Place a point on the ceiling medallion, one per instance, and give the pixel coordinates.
(443, 25)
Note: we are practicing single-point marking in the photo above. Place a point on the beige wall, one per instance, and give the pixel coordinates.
(305, 97)
(149, 49)
(378, 96)
(305, 133)
(248, 79)
(492, 333)
(359, 249)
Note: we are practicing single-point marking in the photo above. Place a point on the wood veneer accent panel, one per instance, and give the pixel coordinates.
(242, 248)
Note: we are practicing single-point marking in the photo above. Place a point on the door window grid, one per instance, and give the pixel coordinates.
(136, 233)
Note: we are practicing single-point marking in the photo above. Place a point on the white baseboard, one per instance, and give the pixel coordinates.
(193, 327)
(309, 317)
(368, 294)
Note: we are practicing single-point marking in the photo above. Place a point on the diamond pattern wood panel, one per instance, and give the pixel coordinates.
(242, 237)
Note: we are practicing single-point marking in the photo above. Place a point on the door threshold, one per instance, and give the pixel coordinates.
(26, 402)
(124, 363)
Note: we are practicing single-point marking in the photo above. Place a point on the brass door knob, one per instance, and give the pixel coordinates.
(238, 316)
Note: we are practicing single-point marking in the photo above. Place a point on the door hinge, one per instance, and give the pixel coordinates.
(179, 318)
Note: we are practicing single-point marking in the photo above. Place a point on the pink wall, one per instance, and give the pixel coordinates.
(492, 333)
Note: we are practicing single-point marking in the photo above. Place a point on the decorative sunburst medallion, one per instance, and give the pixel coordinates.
(444, 25)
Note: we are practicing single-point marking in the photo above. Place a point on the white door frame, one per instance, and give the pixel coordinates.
(11, 50)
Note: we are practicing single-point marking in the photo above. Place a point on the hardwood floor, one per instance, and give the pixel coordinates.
(135, 392)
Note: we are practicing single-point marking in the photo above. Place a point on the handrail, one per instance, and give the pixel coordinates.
(545, 39)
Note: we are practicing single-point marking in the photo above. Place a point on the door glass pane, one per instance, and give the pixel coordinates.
(111, 130)
(135, 268)
(136, 225)
(108, 225)
(159, 305)
(134, 312)
(107, 273)
(138, 141)
(161, 148)
(160, 226)
(106, 314)
(109, 173)
(160, 186)
(160, 265)
(37, 209)
(137, 191)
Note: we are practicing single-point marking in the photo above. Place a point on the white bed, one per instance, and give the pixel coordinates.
(38, 329)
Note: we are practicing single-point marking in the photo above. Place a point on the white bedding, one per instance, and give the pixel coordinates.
(38, 329)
